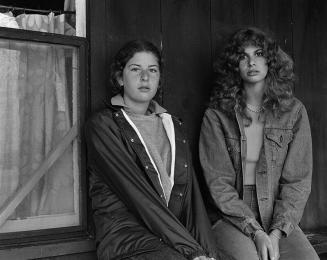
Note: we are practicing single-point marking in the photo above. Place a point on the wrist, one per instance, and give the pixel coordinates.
(276, 233)
(257, 233)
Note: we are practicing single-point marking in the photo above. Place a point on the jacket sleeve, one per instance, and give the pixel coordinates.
(111, 217)
(221, 177)
(198, 221)
(295, 180)
(112, 159)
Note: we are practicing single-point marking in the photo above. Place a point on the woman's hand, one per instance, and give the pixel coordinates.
(275, 235)
(202, 257)
(264, 246)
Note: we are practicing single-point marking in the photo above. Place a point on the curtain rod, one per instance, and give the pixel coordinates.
(14, 8)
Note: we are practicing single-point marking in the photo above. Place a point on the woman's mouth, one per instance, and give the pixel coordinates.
(253, 73)
(144, 88)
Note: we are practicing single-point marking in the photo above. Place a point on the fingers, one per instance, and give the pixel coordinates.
(203, 258)
(264, 255)
(271, 251)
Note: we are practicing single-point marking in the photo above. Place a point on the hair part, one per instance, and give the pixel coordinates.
(125, 54)
(228, 92)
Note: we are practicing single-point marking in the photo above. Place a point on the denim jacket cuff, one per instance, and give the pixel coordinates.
(251, 226)
(285, 227)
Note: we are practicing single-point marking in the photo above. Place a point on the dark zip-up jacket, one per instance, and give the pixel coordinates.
(130, 212)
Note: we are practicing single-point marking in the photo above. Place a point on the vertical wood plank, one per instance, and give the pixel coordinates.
(226, 17)
(275, 17)
(310, 54)
(98, 52)
(187, 54)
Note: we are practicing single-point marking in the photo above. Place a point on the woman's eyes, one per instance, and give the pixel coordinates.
(242, 56)
(259, 53)
(138, 70)
(135, 69)
(153, 70)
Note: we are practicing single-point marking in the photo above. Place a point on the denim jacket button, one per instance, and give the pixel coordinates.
(116, 114)
(185, 165)
(184, 141)
(146, 167)
(132, 140)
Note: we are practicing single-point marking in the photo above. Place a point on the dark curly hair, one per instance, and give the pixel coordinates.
(125, 54)
(228, 91)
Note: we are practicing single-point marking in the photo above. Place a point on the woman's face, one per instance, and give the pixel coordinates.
(253, 65)
(140, 78)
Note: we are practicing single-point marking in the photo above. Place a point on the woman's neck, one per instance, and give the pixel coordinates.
(136, 107)
(254, 94)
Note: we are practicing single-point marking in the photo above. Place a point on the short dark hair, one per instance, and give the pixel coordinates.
(228, 89)
(125, 54)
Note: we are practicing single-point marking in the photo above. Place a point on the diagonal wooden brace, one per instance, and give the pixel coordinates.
(9, 207)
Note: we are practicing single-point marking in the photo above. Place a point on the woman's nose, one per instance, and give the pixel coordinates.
(144, 75)
(251, 61)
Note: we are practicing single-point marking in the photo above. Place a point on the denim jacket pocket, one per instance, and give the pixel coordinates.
(279, 140)
(234, 150)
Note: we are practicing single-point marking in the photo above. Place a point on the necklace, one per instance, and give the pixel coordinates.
(254, 109)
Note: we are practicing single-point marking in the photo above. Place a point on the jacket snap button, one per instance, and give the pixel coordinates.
(180, 123)
(146, 167)
(132, 140)
(185, 165)
(184, 141)
(116, 115)
(180, 194)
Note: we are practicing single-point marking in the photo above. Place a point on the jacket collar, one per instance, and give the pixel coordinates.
(154, 107)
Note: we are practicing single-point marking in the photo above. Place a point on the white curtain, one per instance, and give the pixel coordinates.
(35, 114)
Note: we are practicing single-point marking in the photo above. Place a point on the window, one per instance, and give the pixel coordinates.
(42, 109)
(61, 16)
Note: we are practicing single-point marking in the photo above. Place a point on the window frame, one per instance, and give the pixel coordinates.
(63, 234)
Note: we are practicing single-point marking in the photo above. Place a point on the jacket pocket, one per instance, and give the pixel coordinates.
(234, 150)
(278, 140)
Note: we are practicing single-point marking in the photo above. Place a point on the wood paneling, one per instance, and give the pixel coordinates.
(187, 55)
(310, 54)
(276, 18)
(226, 17)
(98, 52)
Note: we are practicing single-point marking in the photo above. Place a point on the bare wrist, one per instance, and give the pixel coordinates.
(258, 232)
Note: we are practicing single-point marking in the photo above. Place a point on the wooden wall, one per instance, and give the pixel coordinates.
(191, 33)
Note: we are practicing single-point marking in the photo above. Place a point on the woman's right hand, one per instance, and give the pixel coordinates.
(264, 246)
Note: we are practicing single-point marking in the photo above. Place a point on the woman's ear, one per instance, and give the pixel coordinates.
(120, 81)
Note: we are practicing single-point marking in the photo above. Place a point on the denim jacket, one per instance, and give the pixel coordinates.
(283, 172)
(130, 212)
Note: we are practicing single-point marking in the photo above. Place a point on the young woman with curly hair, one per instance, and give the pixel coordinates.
(256, 153)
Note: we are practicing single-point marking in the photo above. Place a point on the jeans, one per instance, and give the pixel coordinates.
(165, 253)
(294, 247)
